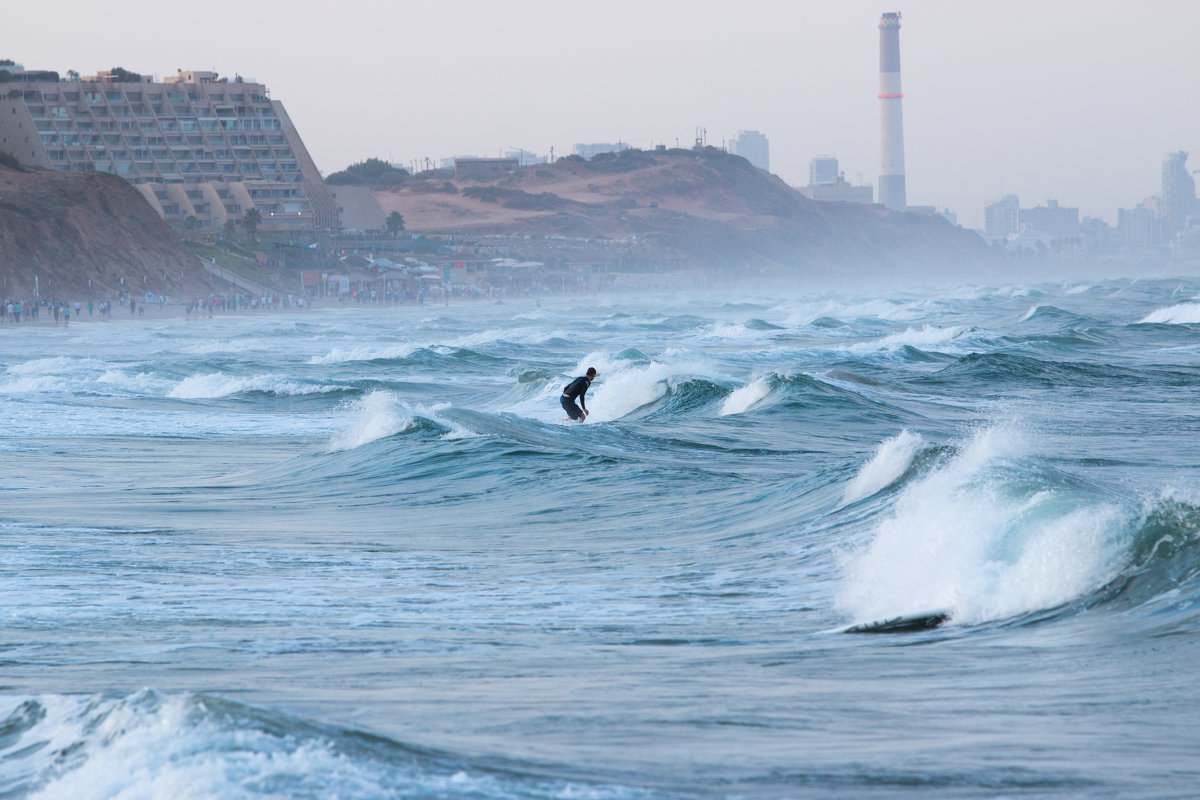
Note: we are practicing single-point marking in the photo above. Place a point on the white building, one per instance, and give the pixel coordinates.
(754, 147)
(1002, 218)
(196, 146)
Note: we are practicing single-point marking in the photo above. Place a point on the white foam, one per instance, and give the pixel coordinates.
(1181, 314)
(891, 459)
(58, 365)
(627, 389)
(968, 539)
(374, 416)
(340, 355)
(927, 336)
(730, 330)
(893, 311)
(216, 384)
(513, 335)
(622, 387)
(35, 384)
(746, 397)
(141, 383)
(150, 746)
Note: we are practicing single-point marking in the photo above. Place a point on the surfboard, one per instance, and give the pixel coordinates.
(907, 623)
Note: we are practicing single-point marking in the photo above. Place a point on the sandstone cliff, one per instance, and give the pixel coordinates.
(66, 228)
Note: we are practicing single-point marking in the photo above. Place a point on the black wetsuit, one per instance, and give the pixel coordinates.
(576, 388)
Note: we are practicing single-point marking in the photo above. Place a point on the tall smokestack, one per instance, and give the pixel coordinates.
(891, 121)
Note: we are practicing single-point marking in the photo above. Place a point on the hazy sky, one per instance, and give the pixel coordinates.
(1072, 100)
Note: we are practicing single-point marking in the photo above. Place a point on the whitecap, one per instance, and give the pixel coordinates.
(746, 397)
(377, 415)
(216, 384)
(340, 355)
(927, 336)
(1181, 314)
(890, 460)
(972, 538)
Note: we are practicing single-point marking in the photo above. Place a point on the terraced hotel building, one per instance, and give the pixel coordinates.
(194, 145)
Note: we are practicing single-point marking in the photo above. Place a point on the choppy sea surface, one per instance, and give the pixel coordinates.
(359, 554)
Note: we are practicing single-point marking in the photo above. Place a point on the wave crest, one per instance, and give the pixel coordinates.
(986, 537)
(1180, 314)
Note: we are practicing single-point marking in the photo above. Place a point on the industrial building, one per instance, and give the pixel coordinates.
(202, 150)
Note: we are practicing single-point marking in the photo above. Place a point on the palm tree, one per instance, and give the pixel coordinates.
(251, 220)
(395, 222)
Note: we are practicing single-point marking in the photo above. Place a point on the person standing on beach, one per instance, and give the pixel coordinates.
(577, 389)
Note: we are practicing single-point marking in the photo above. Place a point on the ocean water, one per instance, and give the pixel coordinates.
(359, 553)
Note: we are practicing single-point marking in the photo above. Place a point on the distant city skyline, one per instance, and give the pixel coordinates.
(1073, 101)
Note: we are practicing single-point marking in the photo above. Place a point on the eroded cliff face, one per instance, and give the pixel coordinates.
(714, 209)
(68, 228)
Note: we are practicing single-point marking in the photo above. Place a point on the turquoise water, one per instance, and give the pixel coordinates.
(359, 553)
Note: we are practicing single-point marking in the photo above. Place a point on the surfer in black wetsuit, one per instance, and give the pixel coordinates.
(577, 389)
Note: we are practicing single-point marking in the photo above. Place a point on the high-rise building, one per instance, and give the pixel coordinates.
(892, 192)
(1139, 228)
(1002, 218)
(194, 145)
(754, 147)
(822, 170)
(1178, 191)
(1050, 221)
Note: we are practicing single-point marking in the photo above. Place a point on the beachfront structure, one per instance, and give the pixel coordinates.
(195, 145)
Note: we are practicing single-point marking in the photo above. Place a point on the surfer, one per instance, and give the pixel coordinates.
(577, 389)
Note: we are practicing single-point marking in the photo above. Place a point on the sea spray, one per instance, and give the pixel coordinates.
(983, 536)
(374, 416)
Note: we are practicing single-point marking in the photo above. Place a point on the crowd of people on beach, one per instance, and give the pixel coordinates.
(64, 312)
(207, 306)
(61, 311)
